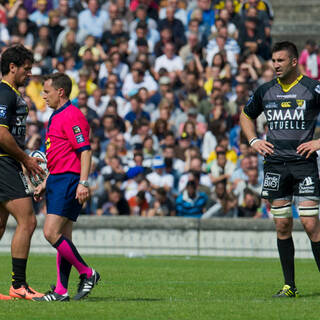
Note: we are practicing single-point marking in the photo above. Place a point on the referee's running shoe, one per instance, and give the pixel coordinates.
(53, 296)
(287, 292)
(86, 284)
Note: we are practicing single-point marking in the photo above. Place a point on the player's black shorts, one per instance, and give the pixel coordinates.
(13, 184)
(299, 178)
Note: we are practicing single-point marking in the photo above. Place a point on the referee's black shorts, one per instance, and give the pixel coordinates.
(13, 183)
(298, 178)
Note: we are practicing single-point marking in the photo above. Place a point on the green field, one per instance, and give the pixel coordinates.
(171, 288)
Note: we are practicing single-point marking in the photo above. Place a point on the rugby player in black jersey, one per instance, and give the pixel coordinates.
(291, 104)
(16, 63)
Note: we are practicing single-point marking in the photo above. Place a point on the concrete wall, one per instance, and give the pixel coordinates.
(134, 236)
(296, 20)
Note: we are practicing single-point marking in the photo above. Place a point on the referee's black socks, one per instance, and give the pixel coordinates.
(316, 252)
(18, 272)
(286, 253)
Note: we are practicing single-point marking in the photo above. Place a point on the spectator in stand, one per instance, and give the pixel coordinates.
(136, 112)
(21, 15)
(97, 102)
(141, 15)
(40, 16)
(309, 61)
(175, 25)
(208, 14)
(264, 9)
(191, 202)
(21, 31)
(226, 203)
(161, 205)
(159, 178)
(113, 14)
(171, 62)
(111, 38)
(219, 61)
(113, 174)
(179, 13)
(247, 75)
(191, 47)
(224, 16)
(137, 79)
(112, 109)
(221, 168)
(253, 183)
(194, 165)
(138, 205)
(250, 208)
(253, 38)
(54, 27)
(191, 89)
(92, 20)
(152, 6)
(151, 35)
(113, 203)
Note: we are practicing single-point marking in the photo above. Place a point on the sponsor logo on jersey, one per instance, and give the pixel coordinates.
(80, 138)
(286, 96)
(271, 105)
(3, 111)
(301, 104)
(271, 181)
(307, 185)
(295, 114)
(76, 129)
(48, 143)
(292, 119)
(317, 89)
(286, 104)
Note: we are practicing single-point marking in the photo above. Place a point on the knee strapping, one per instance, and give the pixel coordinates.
(284, 211)
(308, 211)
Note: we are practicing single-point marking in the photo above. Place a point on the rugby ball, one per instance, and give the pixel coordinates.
(37, 180)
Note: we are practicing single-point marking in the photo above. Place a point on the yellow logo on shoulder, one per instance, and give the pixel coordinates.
(286, 104)
(48, 143)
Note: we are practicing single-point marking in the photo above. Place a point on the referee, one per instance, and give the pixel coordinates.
(291, 104)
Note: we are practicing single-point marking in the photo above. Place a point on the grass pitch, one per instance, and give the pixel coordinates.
(170, 288)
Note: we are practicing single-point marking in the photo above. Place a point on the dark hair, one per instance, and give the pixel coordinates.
(18, 55)
(60, 80)
(288, 46)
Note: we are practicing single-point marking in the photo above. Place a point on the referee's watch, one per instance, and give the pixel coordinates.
(85, 183)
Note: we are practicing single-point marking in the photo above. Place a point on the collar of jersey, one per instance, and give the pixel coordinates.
(287, 87)
(13, 88)
(57, 111)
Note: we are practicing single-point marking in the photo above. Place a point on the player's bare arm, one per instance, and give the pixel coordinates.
(83, 192)
(263, 147)
(307, 148)
(9, 144)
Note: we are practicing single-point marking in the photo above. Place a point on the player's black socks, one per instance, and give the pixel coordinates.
(18, 272)
(286, 253)
(316, 252)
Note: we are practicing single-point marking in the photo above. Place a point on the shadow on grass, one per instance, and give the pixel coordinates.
(124, 299)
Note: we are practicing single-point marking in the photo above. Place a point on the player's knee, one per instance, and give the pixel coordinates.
(50, 235)
(283, 227)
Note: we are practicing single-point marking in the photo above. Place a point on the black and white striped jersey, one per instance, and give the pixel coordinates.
(291, 113)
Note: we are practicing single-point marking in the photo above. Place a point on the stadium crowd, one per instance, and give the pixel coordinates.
(162, 84)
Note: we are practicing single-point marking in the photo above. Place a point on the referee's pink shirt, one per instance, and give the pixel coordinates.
(67, 136)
